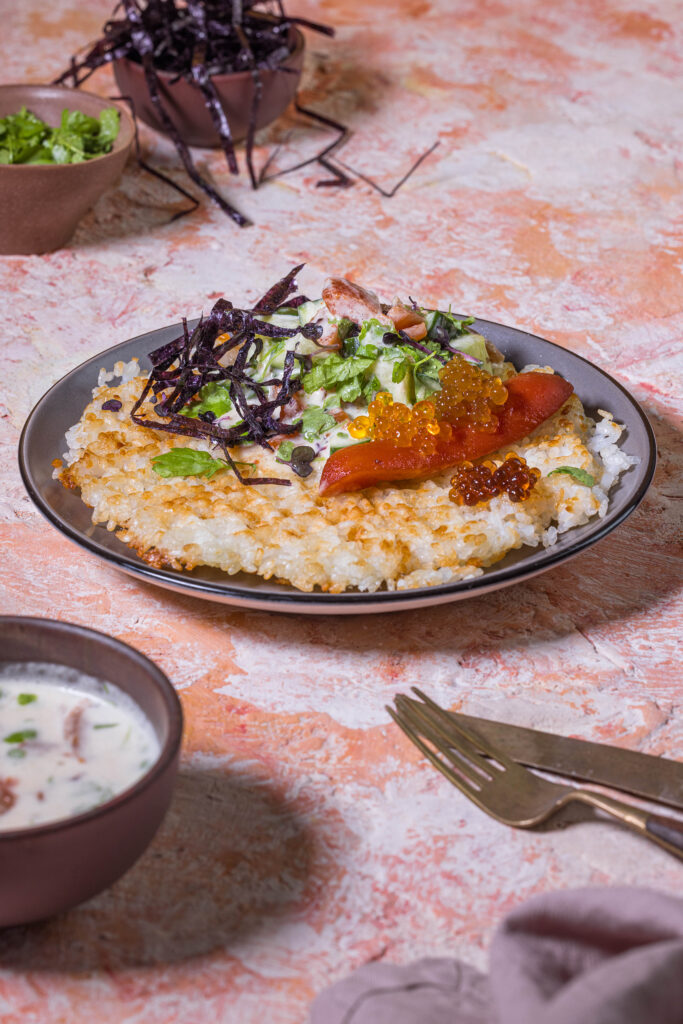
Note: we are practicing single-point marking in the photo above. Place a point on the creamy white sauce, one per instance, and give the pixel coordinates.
(68, 742)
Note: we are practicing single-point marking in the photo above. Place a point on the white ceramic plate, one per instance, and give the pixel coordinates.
(42, 440)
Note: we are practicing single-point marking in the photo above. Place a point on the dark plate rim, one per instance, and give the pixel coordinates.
(270, 601)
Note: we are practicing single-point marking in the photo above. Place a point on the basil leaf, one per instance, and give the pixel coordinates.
(187, 462)
(578, 474)
(26, 698)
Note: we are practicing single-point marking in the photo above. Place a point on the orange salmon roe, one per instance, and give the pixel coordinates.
(469, 396)
(472, 484)
(392, 421)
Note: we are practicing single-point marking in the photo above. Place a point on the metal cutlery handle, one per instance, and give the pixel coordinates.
(666, 832)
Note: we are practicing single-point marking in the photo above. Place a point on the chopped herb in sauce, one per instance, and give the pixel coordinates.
(21, 736)
(88, 747)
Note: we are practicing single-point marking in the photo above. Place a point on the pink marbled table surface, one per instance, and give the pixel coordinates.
(306, 836)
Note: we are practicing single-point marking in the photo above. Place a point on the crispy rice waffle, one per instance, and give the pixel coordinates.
(395, 537)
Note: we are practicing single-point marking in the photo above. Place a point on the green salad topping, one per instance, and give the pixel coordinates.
(329, 381)
(25, 139)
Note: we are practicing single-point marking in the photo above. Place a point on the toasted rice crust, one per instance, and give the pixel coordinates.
(400, 536)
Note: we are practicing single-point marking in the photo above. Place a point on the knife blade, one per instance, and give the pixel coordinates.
(645, 775)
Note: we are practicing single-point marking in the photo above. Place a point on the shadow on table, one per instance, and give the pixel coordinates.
(141, 206)
(230, 862)
(624, 576)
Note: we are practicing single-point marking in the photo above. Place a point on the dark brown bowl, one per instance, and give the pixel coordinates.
(40, 205)
(185, 105)
(49, 868)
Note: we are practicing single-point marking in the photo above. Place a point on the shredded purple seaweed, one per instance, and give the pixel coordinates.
(396, 337)
(388, 194)
(183, 366)
(196, 40)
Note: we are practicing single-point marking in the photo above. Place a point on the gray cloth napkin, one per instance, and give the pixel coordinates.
(579, 956)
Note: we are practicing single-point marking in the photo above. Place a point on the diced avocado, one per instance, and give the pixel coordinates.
(280, 319)
(346, 442)
(304, 347)
(431, 316)
(401, 391)
(309, 310)
(473, 345)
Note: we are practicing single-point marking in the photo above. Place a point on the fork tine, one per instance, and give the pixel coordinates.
(459, 752)
(457, 780)
(464, 741)
(451, 726)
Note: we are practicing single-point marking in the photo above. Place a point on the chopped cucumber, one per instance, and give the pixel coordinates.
(309, 310)
(401, 391)
(304, 346)
(474, 345)
(431, 316)
(280, 319)
(350, 443)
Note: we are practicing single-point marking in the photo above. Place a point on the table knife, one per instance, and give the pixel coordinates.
(644, 775)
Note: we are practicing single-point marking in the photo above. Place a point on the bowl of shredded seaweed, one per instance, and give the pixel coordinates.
(204, 72)
(60, 149)
(190, 101)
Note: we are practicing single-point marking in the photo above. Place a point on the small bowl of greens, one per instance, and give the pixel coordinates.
(60, 149)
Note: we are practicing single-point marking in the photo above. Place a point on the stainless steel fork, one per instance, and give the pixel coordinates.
(504, 789)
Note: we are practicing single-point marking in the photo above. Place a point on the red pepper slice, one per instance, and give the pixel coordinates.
(532, 398)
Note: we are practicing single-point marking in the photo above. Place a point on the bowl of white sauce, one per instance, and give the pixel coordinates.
(90, 735)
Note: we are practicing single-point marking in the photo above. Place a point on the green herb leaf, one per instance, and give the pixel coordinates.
(398, 372)
(26, 698)
(28, 140)
(314, 422)
(334, 371)
(457, 327)
(187, 462)
(578, 474)
(213, 397)
(21, 736)
(105, 725)
(16, 752)
(344, 328)
(285, 450)
(302, 457)
(370, 389)
(373, 330)
(109, 126)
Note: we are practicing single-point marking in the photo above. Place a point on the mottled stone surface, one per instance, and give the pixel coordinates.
(306, 835)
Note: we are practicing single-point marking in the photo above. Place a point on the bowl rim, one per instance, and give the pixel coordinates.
(123, 140)
(167, 753)
(171, 77)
